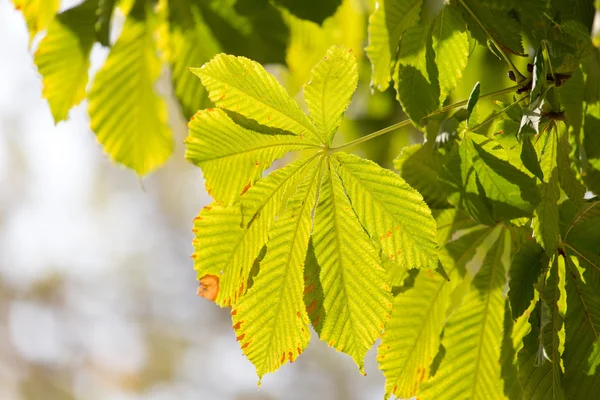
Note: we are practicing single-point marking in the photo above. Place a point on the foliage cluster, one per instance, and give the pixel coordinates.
(477, 264)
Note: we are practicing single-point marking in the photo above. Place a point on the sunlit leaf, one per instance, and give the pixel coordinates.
(413, 333)
(472, 338)
(37, 13)
(243, 86)
(393, 213)
(330, 89)
(126, 114)
(271, 322)
(386, 26)
(357, 299)
(63, 55)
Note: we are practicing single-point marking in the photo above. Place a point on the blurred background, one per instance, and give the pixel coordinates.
(97, 291)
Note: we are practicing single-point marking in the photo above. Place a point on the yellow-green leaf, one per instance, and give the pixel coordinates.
(63, 60)
(229, 239)
(37, 13)
(412, 335)
(190, 44)
(386, 26)
(243, 86)
(393, 213)
(357, 299)
(470, 368)
(330, 89)
(126, 114)
(233, 157)
(270, 320)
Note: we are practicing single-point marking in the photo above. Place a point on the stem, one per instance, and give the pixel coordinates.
(372, 135)
(520, 77)
(494, 115)
(407, 122)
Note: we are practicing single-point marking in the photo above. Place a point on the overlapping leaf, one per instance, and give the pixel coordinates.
(243, 86)
(386, 26)
(190, 44)
(470, 368)
(413, 333)
(540, 371)
(126, 114)
(232, 156)
(357, 300)
(271, 320)
(63, 55)
(37, 13)
(343, 222)
(392, 212)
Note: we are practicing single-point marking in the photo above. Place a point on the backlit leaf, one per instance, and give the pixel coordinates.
(393, 213)
(233, 157)
(357, 299)
(470, 368)
(386, 26)
(270, 320)
(63, 55)
(126, 114)
(330, 89)
(243, 86)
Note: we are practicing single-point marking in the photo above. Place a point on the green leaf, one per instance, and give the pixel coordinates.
(582, 324)
(504, 29)
(420, 165)
(525, 268)
(357, 298)
(231, 156)
(37, 13)
(270, 320)
(545, 217)
(313, 290)
(126, 114)
(330, 89)
(104, 14)
(473, 99)
(190, 43)
(63, 56)
(529, 157)
(243, 86)
(450, 220)
(386, 26)
(511, 193)
(229, 239)
(393, 214)
(412, 335)
(451, 45)
(566, 175)
(416, 80)
(540, 371)
(470, 368)
(571, 94)
(312, 10)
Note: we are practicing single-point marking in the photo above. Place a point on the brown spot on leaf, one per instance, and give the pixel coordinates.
(283, 357)
(222, 96)
(241, 337)
(210, 109)
(209, 287)
(246, 344)
(291, 356)
(194, 256)
(310, 288)
(207, 208)
(311, 307)
(298, 314)
(317, 320)
(195, 230)
(237, 325)
(245, 189)
(233, 312)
